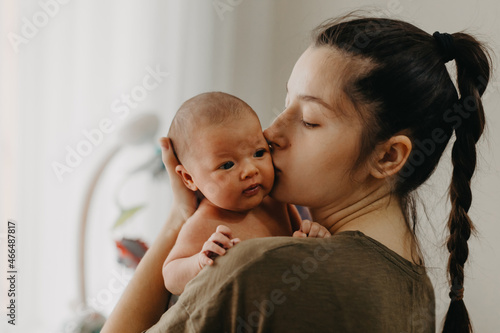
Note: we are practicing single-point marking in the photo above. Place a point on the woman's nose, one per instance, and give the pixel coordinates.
(275, 134)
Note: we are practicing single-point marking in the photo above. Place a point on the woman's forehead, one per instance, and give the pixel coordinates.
(318, 70)
(329, 67)
(322, 73)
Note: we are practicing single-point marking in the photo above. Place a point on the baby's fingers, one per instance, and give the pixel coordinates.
(305, 226)
(204, 260)
(211, 247)
(314, 230)
(299, 233)
(225, 230)
(324, 233)
(221, 239)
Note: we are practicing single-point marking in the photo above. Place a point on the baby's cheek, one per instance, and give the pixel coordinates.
(269, 176)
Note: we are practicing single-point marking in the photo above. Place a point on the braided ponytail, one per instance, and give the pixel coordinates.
(473, 72)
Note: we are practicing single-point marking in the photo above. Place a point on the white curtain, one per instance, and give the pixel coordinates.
(71, 67)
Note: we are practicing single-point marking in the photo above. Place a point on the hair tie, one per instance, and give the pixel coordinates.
(446, 45)
(456, 292)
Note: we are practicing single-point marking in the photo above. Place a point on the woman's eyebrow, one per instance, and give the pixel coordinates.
(309, 98)
(317, 100)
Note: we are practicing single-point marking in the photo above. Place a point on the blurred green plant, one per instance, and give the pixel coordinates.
(126, 215)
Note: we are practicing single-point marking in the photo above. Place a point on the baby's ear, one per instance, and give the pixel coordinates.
(186, 177)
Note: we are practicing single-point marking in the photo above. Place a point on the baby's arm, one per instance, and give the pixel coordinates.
(186, 260)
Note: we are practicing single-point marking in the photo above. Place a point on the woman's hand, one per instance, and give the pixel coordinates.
(185, 201)
(145, 299)
(217, 245)
(311, 229)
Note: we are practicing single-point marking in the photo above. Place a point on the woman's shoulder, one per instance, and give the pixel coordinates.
(346, 251)
(344, 280)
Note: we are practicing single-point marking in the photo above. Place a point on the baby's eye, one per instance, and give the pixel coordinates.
(226, 166)
(259, 153)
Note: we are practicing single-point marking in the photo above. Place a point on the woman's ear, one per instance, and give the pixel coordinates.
(186, 177)
(391, 156)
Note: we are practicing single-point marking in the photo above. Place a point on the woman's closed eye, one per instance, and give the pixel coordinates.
(308, 124)
(226, 166)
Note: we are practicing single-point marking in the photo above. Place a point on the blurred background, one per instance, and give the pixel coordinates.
(74, 74)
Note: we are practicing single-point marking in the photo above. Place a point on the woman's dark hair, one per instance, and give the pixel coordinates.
(409, 90)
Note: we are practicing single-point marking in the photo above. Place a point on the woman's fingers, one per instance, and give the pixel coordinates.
(168, 156)
(184, 198)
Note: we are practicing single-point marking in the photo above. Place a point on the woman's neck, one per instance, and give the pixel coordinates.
(377, 214)
(337, 219)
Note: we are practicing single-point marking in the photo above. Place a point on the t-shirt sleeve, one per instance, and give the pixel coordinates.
(217, 299)
(175, 320)
(196, 312)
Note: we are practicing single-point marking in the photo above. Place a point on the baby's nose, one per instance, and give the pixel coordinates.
(249, 171)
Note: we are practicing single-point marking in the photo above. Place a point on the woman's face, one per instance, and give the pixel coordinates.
(315, 140)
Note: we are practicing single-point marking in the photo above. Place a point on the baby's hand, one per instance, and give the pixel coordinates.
(217, 245)
(311, 229)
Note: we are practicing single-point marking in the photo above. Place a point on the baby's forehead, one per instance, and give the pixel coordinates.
(224, 139)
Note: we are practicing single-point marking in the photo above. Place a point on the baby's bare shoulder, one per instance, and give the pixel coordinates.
(196, 231)
(207, 216)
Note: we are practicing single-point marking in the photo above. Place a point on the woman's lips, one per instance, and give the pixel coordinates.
(252, 190)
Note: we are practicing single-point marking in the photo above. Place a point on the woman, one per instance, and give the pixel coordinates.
(370, 109)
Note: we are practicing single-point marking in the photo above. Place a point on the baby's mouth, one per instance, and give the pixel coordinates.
(252, 189)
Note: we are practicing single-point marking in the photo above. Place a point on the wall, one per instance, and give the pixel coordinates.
(66, 78)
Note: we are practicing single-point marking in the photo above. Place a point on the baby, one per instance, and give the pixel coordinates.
(219, 142)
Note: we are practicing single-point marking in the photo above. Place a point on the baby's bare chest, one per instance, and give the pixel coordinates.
(261, 223)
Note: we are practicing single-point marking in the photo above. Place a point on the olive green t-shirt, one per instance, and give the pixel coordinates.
(346, 283)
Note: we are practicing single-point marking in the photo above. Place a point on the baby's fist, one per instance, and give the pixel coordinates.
(217, 245)
(311, 229)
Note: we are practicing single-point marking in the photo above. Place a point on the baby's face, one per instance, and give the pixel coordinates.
(231, 164)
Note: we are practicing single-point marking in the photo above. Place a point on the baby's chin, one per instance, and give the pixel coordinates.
(243, 207)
